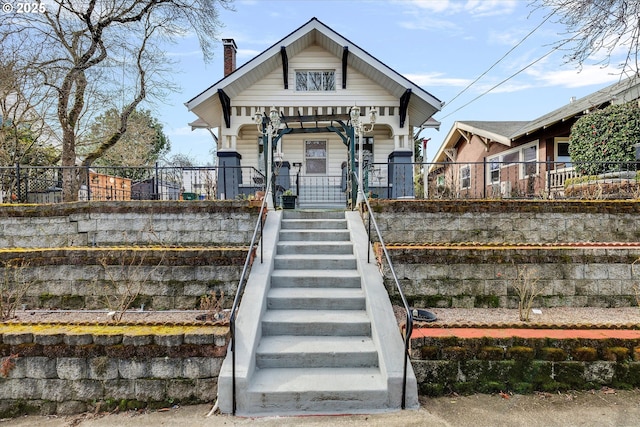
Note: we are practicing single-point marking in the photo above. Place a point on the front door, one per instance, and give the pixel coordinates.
(317, 186)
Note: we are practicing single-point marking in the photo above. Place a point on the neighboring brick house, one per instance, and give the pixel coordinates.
(313, 77)
(516, 158)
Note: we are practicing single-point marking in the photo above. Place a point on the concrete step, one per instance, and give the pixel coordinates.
(317, 391)
(315, 224)
(315, 298)
(314, 262)
(316, 352)
(290, 248)
(316, 322)
(315, 279)
(313, 214)
(314, 235)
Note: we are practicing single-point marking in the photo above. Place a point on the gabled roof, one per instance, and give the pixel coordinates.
(488, 130)
(618, 93)
(506, 132)
(422, 104)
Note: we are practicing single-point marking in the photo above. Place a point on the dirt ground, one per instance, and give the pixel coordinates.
(605, 407)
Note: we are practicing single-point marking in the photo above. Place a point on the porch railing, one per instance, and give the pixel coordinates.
(43, 184)
(244, 276)
(445, 180)
(409, 316)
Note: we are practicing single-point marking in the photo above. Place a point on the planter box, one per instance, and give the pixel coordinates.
(289, 202)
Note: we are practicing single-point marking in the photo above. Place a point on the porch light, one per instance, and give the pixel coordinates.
(270, 131)
(361, 128)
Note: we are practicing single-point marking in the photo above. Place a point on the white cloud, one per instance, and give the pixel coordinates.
(181, 131)
(185, 54)
(478, 8)
(436, 79)
(570, 78)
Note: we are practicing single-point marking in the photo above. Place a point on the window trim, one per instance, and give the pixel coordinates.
(326, 157)
(521, 162)
(466, 168)
(297, 89)
(556, 158)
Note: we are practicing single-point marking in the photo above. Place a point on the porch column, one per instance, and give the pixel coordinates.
(229, 174)
(400, 175)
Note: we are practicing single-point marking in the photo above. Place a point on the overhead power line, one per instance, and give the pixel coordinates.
(503, 57)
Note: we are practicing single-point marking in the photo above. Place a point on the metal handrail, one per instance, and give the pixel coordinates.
(409, 320)
(239, 292)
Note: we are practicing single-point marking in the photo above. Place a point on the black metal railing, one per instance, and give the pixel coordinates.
(257, 232)
(505, 180)
(44, 184)
(409, 315)
(443, 180)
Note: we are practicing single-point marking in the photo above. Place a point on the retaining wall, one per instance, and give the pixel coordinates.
(486, 277)
(99, 224)
(507, 221)
(67, 370)
(158, 278)
(523, 365)
(468, 253)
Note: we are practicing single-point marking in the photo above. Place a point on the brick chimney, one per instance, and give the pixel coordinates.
(230, 50)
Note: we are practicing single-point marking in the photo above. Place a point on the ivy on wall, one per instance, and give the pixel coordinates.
(604, 138)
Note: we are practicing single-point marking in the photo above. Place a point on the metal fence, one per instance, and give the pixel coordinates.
(519, 180)
(447, 180)
(39, 184)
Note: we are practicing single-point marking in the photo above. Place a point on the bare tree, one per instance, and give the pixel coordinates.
(106, 53)
(24, 135)
(597, 29)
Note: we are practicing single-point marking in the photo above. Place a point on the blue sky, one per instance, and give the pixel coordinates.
(441, 45)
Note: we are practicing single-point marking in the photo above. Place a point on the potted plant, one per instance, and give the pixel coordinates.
(288, 200)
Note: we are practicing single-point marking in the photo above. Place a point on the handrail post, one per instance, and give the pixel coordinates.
(409, 315)
(369, 243)
(236, 302)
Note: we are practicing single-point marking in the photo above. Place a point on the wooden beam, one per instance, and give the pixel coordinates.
(225, 101)
(404, 106)
(345, 56)
(285, 67)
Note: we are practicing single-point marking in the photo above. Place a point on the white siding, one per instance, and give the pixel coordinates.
(270, 92)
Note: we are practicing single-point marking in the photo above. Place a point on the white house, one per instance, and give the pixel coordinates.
(312, 78)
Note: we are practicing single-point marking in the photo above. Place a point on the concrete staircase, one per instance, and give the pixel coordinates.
(322, 337)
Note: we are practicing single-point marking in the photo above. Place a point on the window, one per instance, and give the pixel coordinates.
(494, 174)
(526, 156)
(315, 154)
(260, 155)
(307, 81)
(465, 177)
(530, 157)
(562, 152)
(367, 150)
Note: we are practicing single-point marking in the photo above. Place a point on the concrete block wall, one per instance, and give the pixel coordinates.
(162, 278)
(523, 365)
(178, 223)
(53, 372)
(507, 221)
(485, 277)
(467, 253)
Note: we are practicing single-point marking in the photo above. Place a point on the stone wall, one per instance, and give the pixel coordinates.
(56, 371)
(507, 221)
(169, 254)
(158, 278)
(485, 277)
(523, 365)
(98, 224)
(468, 253)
